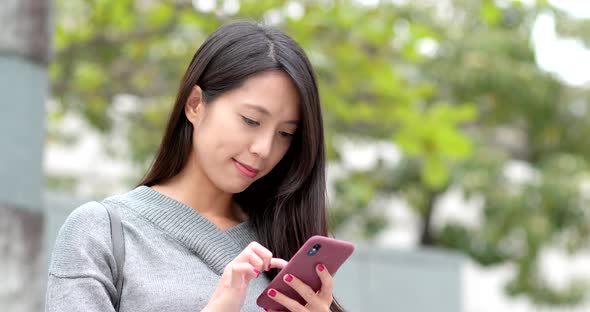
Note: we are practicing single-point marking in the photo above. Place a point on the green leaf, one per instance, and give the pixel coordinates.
(88, 76)
(490, 12)
(161, 14)
(434, 173)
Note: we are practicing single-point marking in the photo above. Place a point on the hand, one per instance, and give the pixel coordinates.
(316, 302)
(230, 293)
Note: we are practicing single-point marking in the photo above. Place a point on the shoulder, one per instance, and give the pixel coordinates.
(89, 213)
(83, 240)
(89, 219)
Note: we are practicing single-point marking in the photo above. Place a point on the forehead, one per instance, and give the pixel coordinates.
(272, 91)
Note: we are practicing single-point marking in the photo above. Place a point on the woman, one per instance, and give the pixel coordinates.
(238, 185)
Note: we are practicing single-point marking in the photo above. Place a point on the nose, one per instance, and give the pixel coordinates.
(262, 145)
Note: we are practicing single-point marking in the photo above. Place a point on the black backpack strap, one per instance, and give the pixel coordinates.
(118, 241)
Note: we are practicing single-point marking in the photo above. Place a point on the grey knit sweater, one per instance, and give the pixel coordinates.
(174, 257)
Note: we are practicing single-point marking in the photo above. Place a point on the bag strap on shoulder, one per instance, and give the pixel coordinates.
(118, 241)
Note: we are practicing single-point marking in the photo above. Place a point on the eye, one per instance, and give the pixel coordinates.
(250, 122)
(286, 134)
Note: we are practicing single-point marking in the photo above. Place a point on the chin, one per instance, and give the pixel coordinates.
(234, 188)
(237, 190)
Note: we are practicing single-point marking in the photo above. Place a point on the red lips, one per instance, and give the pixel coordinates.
(245, 169)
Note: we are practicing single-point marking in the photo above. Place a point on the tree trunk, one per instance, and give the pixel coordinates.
(427, 238)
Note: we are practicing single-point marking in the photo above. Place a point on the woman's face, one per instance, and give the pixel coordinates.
(240, 136)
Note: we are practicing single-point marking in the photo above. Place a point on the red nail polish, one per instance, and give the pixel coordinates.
(268, 268)
(272, 292)
(288, 277)
(321, 267)
(257, 272)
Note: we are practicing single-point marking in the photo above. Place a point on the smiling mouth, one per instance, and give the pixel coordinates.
(245, 169)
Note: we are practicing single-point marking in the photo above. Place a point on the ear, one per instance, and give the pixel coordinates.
(194, 108)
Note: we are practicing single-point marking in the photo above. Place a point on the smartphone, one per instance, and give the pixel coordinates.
(318, 249)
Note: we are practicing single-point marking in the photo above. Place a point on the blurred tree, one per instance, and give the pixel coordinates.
(524, 116)
(453, 83)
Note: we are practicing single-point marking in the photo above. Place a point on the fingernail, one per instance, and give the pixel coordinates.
(288, 277)
(320, 267)
(272, 292)
(268, 267)
(257, 272)
(265, 309)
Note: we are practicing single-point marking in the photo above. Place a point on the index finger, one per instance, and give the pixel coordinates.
(278, 263)
(261, 252)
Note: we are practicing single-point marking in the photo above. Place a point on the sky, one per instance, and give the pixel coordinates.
(567, 58)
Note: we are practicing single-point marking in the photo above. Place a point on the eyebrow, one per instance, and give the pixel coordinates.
(264, 111)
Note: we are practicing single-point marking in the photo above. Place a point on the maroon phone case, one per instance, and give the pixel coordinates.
(332, 254)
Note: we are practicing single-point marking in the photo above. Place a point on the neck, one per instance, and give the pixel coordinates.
(193, 188)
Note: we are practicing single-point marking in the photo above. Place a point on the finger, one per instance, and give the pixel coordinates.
(263, 253)
(242, 272)
(327, 283)
(278, 263)
(287, 302)
(249, 256)
(303, 289)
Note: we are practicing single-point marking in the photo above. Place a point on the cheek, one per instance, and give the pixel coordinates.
(214, 147)
(216, 134)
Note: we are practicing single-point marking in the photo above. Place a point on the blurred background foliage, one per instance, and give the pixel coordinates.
(454, 84)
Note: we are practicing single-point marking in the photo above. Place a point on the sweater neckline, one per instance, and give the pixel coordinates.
(214, 246)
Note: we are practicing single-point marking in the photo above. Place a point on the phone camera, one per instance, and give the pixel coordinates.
(314, 249)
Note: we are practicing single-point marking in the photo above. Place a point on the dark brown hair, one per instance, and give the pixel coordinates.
(288, 205)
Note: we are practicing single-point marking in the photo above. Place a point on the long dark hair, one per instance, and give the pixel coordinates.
(288, 205)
